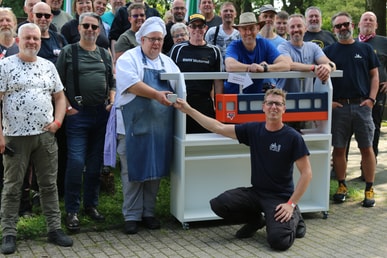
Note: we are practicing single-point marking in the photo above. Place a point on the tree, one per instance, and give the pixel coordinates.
(16, 5)
(379, 8)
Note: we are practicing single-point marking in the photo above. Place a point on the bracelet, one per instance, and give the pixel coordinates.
(313, 67)
(373, 100)
(57, 123)
(292, 204)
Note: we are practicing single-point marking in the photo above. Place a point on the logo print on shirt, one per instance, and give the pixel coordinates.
(358, 56)
(275, 147)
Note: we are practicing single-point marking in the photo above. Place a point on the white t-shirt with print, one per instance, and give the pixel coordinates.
(28, 89)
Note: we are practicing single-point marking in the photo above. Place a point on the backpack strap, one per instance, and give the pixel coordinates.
(216, 34)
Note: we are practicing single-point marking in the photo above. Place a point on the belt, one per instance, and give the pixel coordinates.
(350, 101)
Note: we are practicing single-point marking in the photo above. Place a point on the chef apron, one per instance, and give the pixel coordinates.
(149, 131)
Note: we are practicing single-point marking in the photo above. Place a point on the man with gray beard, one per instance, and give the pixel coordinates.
(86, 71)
(354, 97)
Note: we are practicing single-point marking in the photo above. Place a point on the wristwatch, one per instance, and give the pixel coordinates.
(265, 68)
(332, 65)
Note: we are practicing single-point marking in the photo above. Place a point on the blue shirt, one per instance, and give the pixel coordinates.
(263, 51)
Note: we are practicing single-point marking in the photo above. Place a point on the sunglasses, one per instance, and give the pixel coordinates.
(46, 15)
(194, 26)
(345, 24)
(135, 16)
(86, 26)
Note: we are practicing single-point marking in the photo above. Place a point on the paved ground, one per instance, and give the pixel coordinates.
(349, 231)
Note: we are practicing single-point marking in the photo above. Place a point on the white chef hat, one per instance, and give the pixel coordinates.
(150, 25)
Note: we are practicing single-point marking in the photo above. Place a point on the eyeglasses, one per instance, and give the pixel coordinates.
(272, 103)
(86, 26)
(345, 24)
(46, 15)
(180, 35)
(194, 26)
(153, 40)
(135, 16)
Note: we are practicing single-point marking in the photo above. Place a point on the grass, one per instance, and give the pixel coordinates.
(109, 205)
(355, 189)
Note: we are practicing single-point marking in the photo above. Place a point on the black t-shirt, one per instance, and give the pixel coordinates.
(379, 44)
(121, 23)
(272, 156)
(356, 60)
(190, 58)
(52, 46)
(322, 38)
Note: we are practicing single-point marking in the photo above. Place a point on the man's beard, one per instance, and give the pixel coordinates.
(6, 33)
(344, 36)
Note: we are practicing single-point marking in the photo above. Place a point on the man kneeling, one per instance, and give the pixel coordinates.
(274, 148)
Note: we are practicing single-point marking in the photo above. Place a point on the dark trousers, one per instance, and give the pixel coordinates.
(244, 205)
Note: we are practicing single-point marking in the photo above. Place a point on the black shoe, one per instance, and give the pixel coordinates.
(58, 237)
(131, 227)
(72, 222)
(249, 229)
(94, 214)
(151, 222)
(8, 245)
(301, 229)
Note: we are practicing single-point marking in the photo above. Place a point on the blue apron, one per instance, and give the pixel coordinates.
(149, 131)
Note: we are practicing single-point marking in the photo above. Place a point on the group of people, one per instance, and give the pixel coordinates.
(89, 88)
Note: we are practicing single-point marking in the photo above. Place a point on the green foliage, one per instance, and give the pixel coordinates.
(109, 205)
(16, 5)
(354, 7)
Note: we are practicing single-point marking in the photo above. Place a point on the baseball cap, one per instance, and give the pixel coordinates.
(196, 17)
(267, 8)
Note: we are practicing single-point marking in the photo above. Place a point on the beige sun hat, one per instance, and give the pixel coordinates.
(248, 18)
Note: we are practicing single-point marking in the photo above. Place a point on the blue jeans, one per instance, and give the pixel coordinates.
(85, 133)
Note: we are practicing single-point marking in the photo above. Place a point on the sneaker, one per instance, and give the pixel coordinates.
(58, 237)
(341, 193)
(369, 200)
(8, 245)
(249, 229)
(151, 222)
